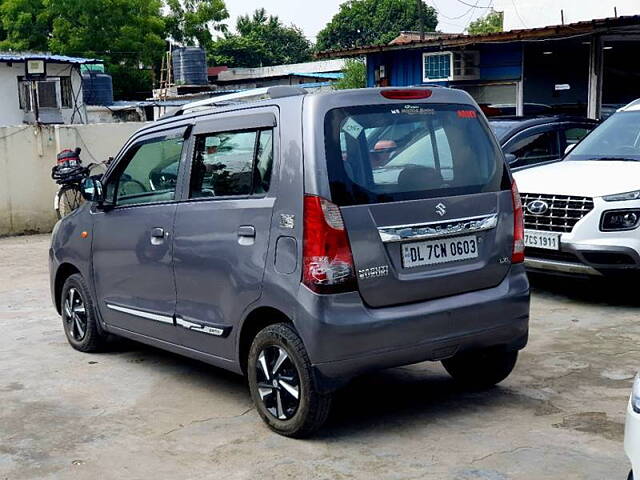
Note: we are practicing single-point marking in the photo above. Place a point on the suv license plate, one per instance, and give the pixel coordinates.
(546, 240)
(439, 251)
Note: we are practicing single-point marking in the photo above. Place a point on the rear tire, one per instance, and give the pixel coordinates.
(481, 369)
(79, 318)
(282, 384)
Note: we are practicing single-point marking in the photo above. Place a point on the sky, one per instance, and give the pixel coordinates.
(454, 15)
(313, 15)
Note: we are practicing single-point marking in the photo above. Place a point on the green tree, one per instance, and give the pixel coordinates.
(490, 23)
(374, 22)
(191, 21)
(355, 75)
(261, 40)
(24, 25)
(127, 34)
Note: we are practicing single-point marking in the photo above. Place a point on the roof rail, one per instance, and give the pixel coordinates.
(241, 97)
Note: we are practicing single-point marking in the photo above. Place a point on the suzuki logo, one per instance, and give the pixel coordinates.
(538, 207)
(441, 209)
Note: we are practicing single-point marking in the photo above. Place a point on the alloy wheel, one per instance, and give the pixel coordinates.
(278, 382)
(75, 315)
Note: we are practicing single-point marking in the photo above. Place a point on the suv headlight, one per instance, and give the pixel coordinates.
(619, 197)
(618, 220)
(635, 394)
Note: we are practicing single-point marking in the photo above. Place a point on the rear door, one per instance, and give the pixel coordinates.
(222, 227)
(430, 218)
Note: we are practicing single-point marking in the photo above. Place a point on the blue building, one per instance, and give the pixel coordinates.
(585, 68)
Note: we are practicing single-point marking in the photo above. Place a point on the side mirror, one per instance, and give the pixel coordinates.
(510, 157)
(91, 189)
(570, 147)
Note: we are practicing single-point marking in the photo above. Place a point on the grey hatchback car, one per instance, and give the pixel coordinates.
(303, 239)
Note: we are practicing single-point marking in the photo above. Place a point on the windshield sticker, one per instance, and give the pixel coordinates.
(352, 127)
(467, 114)
(413, 110)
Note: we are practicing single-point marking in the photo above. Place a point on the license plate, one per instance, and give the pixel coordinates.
(546, 240)
(439, 251)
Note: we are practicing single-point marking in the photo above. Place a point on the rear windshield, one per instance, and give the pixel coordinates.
(387, 153)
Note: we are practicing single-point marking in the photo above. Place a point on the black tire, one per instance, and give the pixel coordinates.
(79, 318)
(481, 369)
(281, 410)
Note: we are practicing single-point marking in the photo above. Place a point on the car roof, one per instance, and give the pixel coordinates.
(631, 107)
(359, 96)
(531, 120)
(513, 124)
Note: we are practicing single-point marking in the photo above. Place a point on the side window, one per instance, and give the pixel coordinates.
(264, 162)
(537, 147)
(149, 175)
(232, 163)
(575, 134)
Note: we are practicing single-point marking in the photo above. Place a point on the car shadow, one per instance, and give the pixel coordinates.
(403, 397)
(614, 291)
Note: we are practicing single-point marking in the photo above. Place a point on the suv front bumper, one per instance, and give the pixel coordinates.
(344, 337)
(587, 250)
(593, 260)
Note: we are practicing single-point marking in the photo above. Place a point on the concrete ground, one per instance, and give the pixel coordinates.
(141, 413)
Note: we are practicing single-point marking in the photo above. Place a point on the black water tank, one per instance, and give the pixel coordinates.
(97, 89)
(190, 66)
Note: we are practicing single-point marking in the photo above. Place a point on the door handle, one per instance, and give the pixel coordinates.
(157, 233)
(246, 235)
(247, 231)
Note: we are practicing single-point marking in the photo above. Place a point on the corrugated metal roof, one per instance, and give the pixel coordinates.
(329, 76)
(461, 39)
(21, 57)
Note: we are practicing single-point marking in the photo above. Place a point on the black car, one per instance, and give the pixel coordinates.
(540, 139)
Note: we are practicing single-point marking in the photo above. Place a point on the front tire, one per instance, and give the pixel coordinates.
(79, 318)
(481, 369)
(282, 384)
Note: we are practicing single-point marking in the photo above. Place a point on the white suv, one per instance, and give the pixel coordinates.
(582, 214)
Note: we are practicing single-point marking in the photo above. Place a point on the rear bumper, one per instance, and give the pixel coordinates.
(344, 337)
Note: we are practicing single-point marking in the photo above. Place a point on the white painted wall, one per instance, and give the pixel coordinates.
(520, 14)
(10, 112)
(27, 154)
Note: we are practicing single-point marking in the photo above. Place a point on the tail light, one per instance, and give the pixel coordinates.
(518, 226)
(327, 260)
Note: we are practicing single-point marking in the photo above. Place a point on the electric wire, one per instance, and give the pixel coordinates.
(517, 13)
(471, 5)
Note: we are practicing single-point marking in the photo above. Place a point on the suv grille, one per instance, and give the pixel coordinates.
(562, 214)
